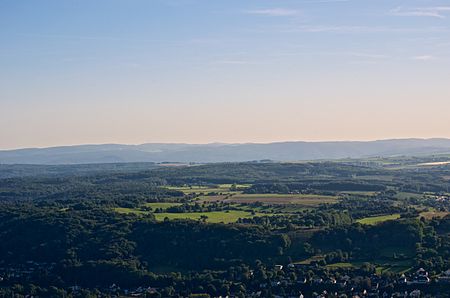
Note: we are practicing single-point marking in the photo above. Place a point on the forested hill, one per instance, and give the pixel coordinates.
(283, 151)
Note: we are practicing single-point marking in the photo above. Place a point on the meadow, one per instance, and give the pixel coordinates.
(378, 219)
(307, 200)
(228, 216)
(161, 205)
(220, 188)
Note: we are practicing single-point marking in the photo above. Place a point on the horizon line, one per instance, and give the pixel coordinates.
(225, 143)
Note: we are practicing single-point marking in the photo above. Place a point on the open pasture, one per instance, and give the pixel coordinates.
(221, 188)
(378, 219)
(162, 205)
(434, 214)
(212, 217)
(212, 199)
(298, 199)
(229, 216)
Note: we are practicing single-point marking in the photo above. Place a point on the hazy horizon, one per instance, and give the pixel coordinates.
(227, 143)
(193, 71)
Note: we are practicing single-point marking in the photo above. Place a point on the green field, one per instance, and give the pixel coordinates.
(341, 265)
(433, 214)
(393, 267)
(213, 217)
(360, 193)
(162, 205)
(221, 188)
(130, 211)
(308, 261)
(378, 219)
(196, 189)
(407, 195)
(228, 216)
(308, 200)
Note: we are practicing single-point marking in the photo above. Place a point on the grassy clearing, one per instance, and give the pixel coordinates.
(130, 211)
(378, 177)
(300, 199)
(340, 265)
(360, 193)
(380, 267)
(308, 261)
(388, 252)
(433, 214)
(378, 219)
(221, 188)
(228, 216)
(195, 189)
(228, 186)
(407, 195)
(162, 205)
(398, 267)
(275, 208)
(211, 199)
(213, 217)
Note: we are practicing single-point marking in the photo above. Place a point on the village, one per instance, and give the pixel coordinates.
(292, 280)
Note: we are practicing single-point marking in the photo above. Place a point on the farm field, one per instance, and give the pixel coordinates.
(360, 193)
(213, 217)
(298, 199)
(162, 205)
(221, 188)
(389, 252)
(393, 267)
(406, 195)
(434, 214)
(228, 216)
(378, 219)
(341, 265)
(211, 199)
(197, 189)
(122, 210)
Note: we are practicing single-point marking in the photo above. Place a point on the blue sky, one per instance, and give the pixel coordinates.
(134, 71)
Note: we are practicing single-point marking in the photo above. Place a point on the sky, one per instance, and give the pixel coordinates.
(201, 71)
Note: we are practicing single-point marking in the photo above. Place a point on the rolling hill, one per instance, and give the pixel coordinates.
(216, 152)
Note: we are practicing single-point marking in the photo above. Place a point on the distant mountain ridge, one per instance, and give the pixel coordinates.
(205, 153)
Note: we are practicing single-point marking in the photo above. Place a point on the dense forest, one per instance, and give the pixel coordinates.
(240, 229)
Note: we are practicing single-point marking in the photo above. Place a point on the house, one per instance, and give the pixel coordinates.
(317, 280)
(421, 272)
(275, 283)
(445, 277)
(402, 280)
(419, 280)
(374, 293)
(342, 283)
(151, 290)
(278, 267)
(346, 278)
(75, 288)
